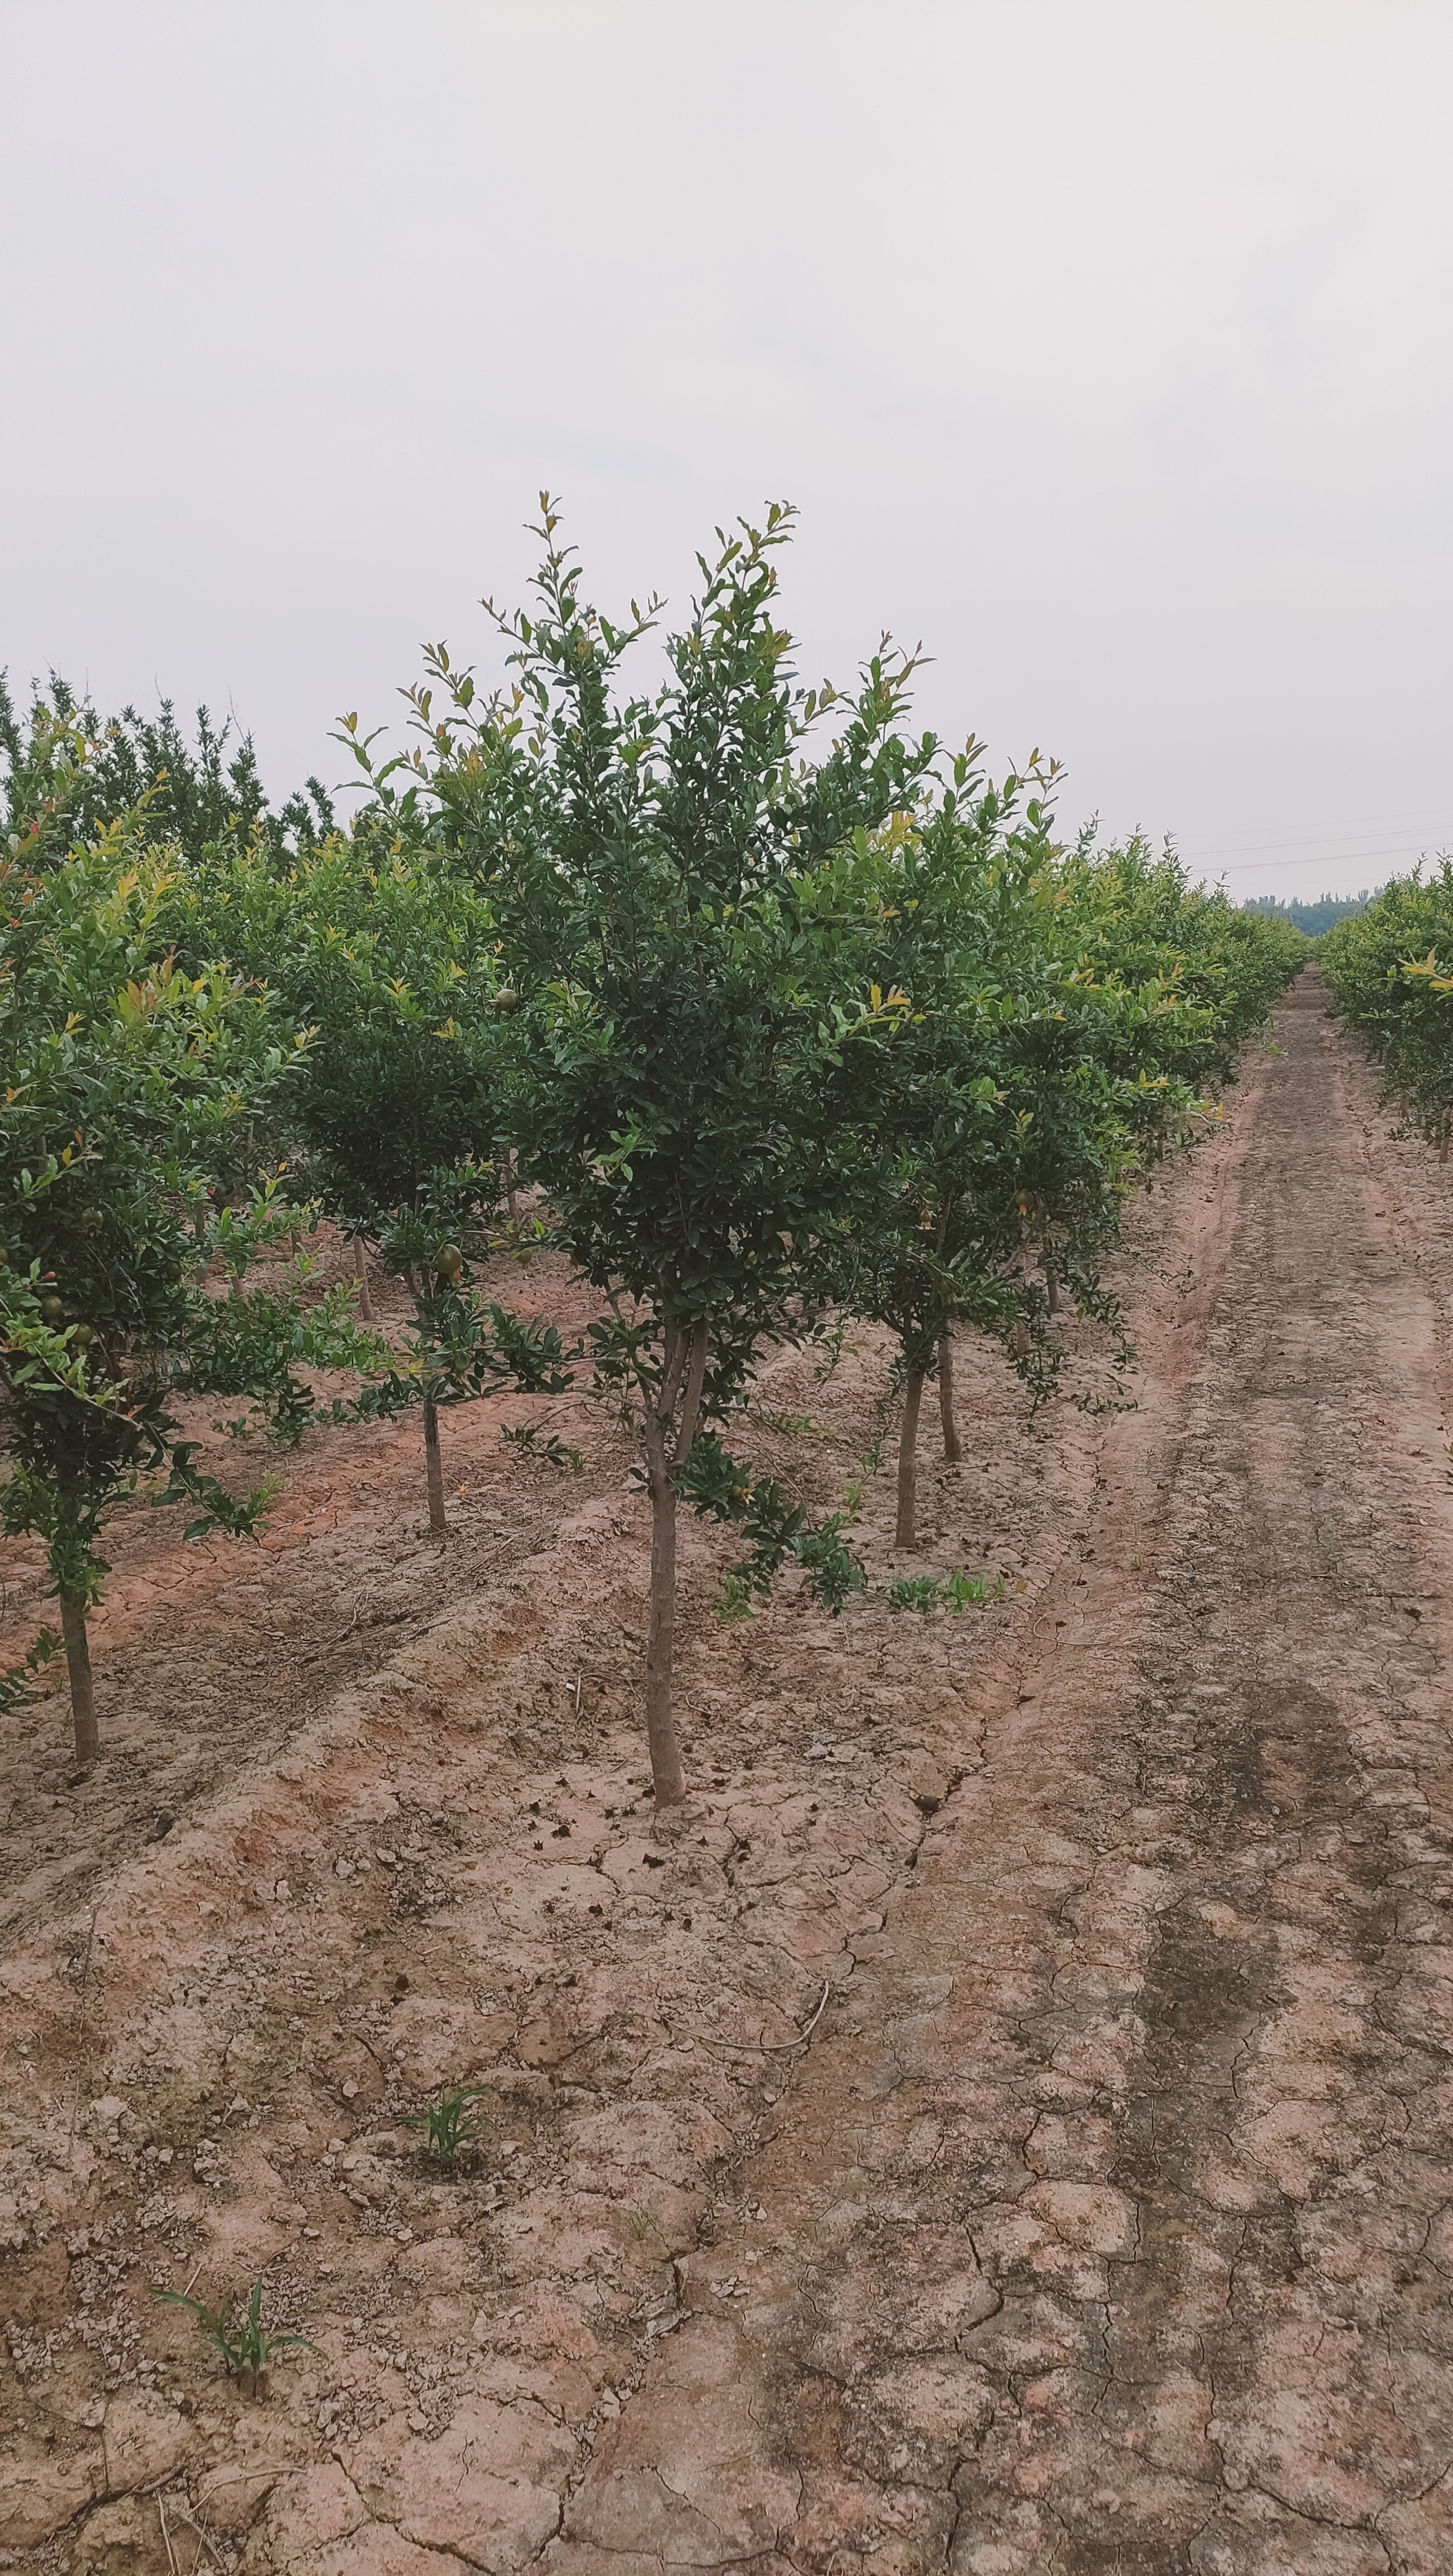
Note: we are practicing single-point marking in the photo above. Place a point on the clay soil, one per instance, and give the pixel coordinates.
(1003, 2123)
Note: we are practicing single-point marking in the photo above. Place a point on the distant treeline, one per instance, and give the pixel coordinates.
(1313, 918)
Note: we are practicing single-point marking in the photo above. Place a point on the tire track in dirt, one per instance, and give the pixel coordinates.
(1110, 2226)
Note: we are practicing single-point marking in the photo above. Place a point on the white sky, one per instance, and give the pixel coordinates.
(1104, 344)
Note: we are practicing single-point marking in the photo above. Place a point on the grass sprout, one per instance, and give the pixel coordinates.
(247, 2345)
(450, 2127)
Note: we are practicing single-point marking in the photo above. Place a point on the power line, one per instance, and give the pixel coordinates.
(1322, 841)
(1333, 859)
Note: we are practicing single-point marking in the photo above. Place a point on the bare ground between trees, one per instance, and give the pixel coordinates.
(1105, 2221)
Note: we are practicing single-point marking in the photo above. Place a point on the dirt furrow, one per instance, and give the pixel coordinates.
(1110, 2225)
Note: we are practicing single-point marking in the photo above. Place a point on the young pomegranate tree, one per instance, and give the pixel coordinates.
(682, 855)
(1011, 1111)
(125, 1081)
(388, 958)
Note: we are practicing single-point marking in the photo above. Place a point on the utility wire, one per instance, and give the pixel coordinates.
(1321, 841)
(1328, 859)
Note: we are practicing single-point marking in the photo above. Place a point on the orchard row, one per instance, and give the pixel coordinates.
(762, 1008)
(1391, 973)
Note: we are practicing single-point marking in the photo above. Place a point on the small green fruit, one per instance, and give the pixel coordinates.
(448, 1260)
(506, 1000)
(83, 1335)
(92, 1221)
(52, 1311)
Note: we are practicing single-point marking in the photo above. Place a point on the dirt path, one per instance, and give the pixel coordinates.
(1103, 2218)
(1111, 2226)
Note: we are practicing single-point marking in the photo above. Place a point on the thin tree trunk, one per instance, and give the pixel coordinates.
(360, 1273)
(951, 1450)
(906, 1534)
(83, 1697)
(668, 1778)
(691, 1401)
(435, 1468)
(1051, 1281)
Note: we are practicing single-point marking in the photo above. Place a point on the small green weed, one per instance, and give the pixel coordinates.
(833, 1340)
(15, 1690)
(450, 2127)
(247, 2346)
(552, 1450)
(957, 1592)
(786, 1424)
(735, 1602)
(832, 1569)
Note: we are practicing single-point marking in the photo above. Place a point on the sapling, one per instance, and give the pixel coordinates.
(127, 1080)
(669, 877)
(1024, 1091)
(391, 963)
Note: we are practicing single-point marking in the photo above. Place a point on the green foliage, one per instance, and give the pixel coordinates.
(960, 1591)
(390, 962)
(15, 1681)
(833, 1572)
(246, 2344)
(126, 1079)
(684, 967)
(787, 1425)
(460, 1347)
(552, 1449)
(776, 1529)
(663, 856)
(65, 773)
(1066, 1009)
(450, 2127)
(1391, 973)
(251, 1343)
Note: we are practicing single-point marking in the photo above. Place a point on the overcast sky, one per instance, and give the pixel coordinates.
(1103, 344)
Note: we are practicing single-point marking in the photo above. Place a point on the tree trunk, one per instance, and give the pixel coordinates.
(667, 1776)
(951, 1450)
(1051, 1281)
(691, 1401)
(360, 1273)
(435, 1468)
(83, 1697)
(906, 1534)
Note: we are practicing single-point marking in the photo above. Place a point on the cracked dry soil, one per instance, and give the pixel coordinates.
(1105, 2219)
(1113, 2220)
